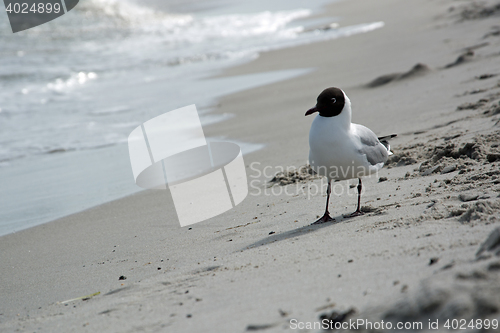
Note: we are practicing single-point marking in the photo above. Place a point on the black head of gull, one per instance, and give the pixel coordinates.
(329, 103)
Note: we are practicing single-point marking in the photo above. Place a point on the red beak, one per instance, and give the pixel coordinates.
(311, 111)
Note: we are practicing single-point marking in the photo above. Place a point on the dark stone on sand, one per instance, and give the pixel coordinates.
(491, 244)
(259, 327)
(336, 317)
(475, 91)
(466, 197)
(493, 157)
(451, 137)
(432, 261)
(272, 232)
(56, 151)
(485, 76)
(283, 313)
(494, 266)
(382, 179)
(448, 266)
(122, 277)
(417, 70)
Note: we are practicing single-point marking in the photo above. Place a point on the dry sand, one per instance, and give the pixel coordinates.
(411, 257)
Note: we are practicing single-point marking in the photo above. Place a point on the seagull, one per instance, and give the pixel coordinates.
(341, 150)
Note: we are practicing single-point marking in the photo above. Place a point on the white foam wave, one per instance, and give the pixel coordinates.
(179, 28)
(119, 39)
(190, 28)
(130, 13)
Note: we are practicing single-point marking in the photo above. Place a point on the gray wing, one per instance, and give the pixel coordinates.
(370, 145)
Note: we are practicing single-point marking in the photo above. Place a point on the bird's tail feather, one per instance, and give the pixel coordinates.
(385, 141)
(387, 137)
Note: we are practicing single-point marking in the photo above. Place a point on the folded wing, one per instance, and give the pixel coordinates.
(376, 149)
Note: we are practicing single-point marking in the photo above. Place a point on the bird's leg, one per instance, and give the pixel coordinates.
(358, 211)
(326, 217)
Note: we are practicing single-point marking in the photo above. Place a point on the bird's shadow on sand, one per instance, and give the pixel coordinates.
(295, 233)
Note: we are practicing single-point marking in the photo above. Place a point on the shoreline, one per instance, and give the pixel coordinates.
(262, 263)
(61, 202)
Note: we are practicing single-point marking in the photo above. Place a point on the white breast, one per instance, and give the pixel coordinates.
(335, 151)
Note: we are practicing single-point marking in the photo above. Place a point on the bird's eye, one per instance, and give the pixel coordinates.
(333, 100)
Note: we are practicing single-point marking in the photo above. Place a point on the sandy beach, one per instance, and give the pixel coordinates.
(431, 75)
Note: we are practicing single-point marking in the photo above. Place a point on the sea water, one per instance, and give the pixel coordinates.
(72, 90)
